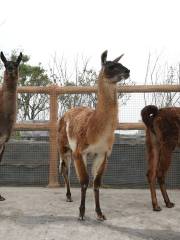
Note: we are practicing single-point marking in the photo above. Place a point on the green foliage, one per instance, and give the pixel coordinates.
(31, 105)
(36, 106)
(32, 75)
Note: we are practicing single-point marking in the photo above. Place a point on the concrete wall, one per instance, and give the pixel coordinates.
(26, 163)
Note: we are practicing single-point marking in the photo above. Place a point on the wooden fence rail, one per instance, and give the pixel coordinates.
(124, 89)
(51, 125)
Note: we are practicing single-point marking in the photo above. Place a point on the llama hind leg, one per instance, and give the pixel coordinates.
(81, 171)
(1, 155)
(98, 170)
(163, 167)
(65, 162)
(153, 159)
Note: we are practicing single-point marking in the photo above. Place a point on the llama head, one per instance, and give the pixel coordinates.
(113, 70)
(11, 66)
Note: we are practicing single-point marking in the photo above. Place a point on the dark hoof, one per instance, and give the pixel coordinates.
(2, 198)
(81, 218)
(101, 217)
(81, 213)
(170, 205)
(69, 199)
(157, 209)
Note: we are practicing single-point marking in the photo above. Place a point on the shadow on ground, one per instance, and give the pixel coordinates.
(149, 234)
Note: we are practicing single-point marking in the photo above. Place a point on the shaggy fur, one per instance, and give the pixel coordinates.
(87, 132)
(162, 136)
(8, 101)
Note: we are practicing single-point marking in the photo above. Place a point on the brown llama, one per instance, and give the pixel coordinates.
(84, 132)
(162, 136)
(8, 102)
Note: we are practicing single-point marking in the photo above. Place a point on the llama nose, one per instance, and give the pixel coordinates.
(127, 71)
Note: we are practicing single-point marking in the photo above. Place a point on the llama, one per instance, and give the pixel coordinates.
(162, 136)
(85, 132)
(8, 102)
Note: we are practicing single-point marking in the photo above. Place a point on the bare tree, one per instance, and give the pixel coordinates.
(157, 73)
(80, 74)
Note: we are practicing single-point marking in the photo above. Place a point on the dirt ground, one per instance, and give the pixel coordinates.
(33, 213)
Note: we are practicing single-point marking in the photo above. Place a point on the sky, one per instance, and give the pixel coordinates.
(88, 27)
(69, 28)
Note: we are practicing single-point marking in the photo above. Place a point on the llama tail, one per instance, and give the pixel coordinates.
(148, 114)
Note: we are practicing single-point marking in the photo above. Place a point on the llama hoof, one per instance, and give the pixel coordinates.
(170, 205)
(2, 198)
(81, 213)
(101, 217)
(81, 218)
(157, 209)
(69, 199)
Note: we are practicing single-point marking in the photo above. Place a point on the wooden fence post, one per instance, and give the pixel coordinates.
(53, 163)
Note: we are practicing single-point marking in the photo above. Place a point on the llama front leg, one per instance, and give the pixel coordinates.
(163, 167)
(1, 155)
(98, 170)
(65, 162)
(82, 174)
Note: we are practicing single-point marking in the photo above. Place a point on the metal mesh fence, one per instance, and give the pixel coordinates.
(27, 155)
(127, 165)
(25, 160)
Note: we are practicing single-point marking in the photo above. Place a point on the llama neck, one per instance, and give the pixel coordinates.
(9, 96)
(107, 104)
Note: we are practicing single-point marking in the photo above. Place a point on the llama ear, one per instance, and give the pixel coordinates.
(3, 58)
(19, 58)
(117, 59)
(104, 57)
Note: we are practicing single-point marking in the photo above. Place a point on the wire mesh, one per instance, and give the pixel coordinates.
(27, 155)
(127, 165)
(26, 159)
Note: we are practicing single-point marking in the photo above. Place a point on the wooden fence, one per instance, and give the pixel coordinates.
(54, 91)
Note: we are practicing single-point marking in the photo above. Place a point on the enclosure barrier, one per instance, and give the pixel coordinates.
(54, 91)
